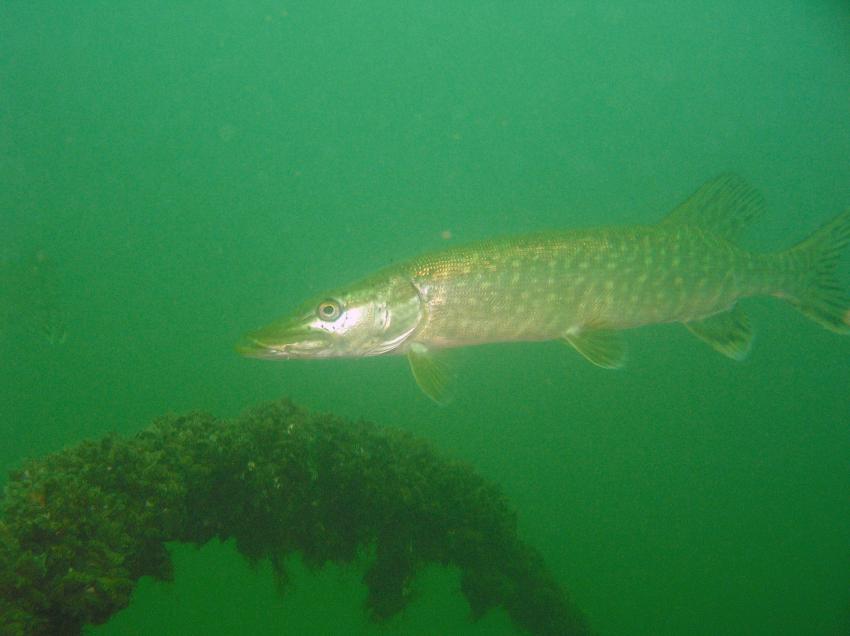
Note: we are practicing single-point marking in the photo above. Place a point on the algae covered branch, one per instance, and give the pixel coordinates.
(81, 526)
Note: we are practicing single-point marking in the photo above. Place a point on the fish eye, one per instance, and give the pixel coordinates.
(329, 310)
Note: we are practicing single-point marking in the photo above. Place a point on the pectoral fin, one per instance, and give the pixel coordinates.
(728, 332)
(602, 347)
(431, 373)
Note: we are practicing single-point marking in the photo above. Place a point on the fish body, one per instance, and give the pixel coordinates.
(582, 286)
(542, 286)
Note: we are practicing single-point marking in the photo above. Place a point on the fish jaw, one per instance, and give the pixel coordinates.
(269, 344)
(287, 339)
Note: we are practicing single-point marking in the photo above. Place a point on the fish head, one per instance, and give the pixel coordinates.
(372, 317)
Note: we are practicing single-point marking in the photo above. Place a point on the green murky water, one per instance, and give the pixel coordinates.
(194, 170)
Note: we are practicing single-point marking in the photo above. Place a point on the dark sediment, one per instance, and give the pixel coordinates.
(80, 527)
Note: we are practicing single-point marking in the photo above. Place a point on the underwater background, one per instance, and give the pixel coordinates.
(193, 170)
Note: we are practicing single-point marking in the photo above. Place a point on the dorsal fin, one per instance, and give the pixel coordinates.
(723, 206)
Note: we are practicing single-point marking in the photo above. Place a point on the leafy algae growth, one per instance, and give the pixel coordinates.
(81, 526)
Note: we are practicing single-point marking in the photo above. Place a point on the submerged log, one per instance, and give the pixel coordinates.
(80, 527)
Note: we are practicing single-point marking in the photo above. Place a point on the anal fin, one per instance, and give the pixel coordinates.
(602, 347)
(728, 332)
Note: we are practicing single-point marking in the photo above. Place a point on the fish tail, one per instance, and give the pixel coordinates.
(814, 289)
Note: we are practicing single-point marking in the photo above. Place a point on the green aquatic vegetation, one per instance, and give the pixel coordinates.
(80, 527)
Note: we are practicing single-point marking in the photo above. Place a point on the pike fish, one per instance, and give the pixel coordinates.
(581, 286)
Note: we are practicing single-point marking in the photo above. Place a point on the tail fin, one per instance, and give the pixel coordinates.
(820, 296)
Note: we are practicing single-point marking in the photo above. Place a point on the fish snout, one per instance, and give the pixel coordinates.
(252, 348)
(274, 344)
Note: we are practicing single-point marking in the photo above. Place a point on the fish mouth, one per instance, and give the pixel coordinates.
(252, 348)
(277, 344)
